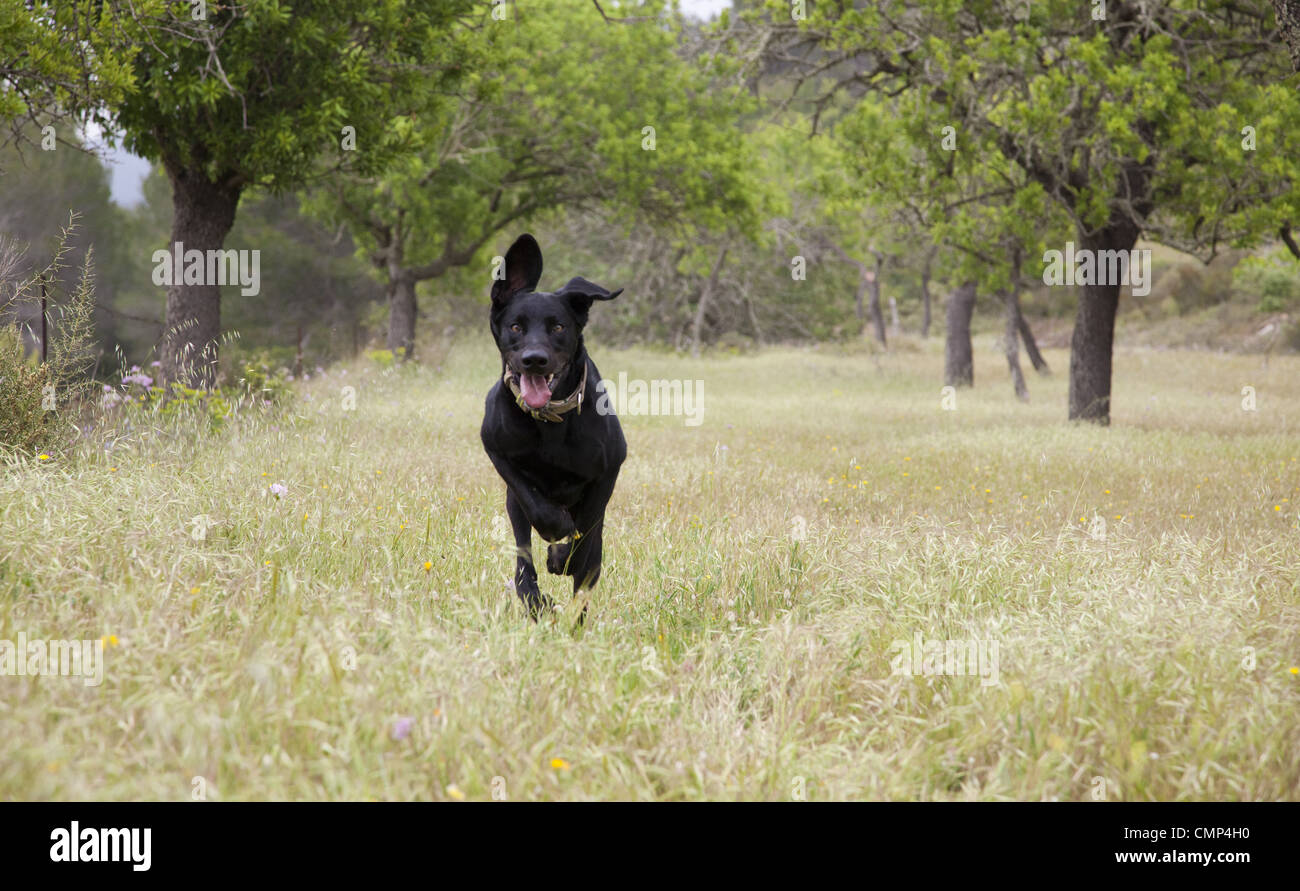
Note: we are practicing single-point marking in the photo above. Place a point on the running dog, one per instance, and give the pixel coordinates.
(559, 455)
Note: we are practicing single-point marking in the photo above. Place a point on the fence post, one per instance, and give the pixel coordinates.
(45, 334)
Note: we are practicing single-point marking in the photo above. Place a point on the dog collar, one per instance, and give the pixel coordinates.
(555, 409)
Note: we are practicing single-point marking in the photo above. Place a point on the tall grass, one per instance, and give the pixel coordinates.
(355, 638)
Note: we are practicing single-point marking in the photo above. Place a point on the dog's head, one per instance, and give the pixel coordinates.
(539, 333)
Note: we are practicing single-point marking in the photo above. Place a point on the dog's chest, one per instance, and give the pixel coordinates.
(558, 450)
(555, 458)
(559, 481)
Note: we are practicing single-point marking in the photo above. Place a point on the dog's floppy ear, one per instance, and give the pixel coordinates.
(523, 269)
(580, 293)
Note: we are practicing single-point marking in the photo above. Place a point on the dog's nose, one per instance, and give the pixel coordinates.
(532, 359)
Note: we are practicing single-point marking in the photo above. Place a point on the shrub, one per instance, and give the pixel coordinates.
(735, 343)
(1272, 280)
(137, 394)
(262, 381)
(384, 358)
(35, 396)
(22, 394)
(183, 401)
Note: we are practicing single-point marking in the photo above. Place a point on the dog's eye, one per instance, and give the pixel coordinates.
(516, 328)
(556, 329)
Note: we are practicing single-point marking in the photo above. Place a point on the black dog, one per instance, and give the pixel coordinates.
(558, 455)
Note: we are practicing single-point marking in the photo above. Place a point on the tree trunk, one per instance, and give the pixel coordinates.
(753, 321)
(697, 327)
(1022, 327)
(297, 358)
(203, 213)
(873, 301)
(1031, 345)
(959, 363)
(1288, 25)
(925, 292)
(1093, 342)
(1011, 341)
(401, 317)
(1090, 354)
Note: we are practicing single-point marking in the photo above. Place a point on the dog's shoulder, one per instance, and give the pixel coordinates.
(600, 421)
(496, 414)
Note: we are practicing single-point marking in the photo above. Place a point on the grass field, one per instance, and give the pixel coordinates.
(355, 639)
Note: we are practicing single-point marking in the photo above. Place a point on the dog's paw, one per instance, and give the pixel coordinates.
(557, 556)
(533, 599)
(556, 525)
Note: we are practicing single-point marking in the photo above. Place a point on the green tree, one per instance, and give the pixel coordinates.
(1131, 118)
(65, 61)
(985, 208)
(269, 94)
(568, 111)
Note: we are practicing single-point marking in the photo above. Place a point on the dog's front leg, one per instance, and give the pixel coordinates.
(551, 520)
(581, 559)
(525, 573)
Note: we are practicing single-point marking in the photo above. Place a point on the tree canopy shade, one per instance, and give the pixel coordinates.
(568, 110)
(1163, 119)
(264, 93)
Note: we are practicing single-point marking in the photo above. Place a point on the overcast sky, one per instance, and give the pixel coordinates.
(127, 172)
(704, 8)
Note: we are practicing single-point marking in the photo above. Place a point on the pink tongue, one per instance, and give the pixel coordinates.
(535, 390)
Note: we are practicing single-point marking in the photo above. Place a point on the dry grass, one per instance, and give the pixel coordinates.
(724, 658)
